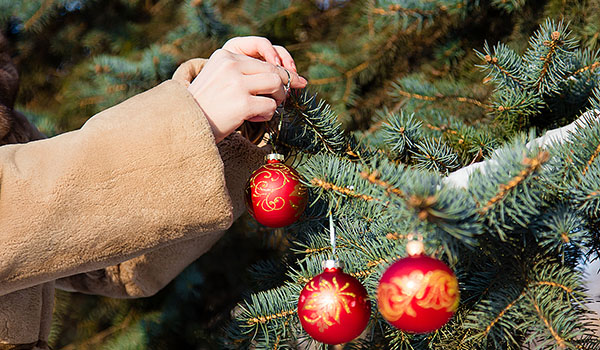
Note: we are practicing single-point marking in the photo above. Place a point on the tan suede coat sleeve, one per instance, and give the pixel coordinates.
(147, 274)
(141, 175)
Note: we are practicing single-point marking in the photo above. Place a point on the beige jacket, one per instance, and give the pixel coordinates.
(117, 208)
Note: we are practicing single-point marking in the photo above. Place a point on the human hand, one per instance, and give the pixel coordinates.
(232, 88)
(261, 48)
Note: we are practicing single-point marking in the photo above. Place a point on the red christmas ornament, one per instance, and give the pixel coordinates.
(418, 294)
(334, 307)
(275, 197)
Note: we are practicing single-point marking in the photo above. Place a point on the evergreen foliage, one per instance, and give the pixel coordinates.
(407, 93)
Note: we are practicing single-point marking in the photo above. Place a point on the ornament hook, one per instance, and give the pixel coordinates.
(332, 234)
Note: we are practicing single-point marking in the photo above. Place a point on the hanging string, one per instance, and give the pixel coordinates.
(280, 111)
(332, 234)
(280, 121)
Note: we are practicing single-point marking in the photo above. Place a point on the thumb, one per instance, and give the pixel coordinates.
(188, 70)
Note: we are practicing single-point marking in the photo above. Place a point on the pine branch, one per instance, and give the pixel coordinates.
(374, 178)
(560, 342)
(435, 155)
(430, 93)
(400, 134)
(509, 5)
(547, 61)
(531, 166)
(311, 125)
(504, 67)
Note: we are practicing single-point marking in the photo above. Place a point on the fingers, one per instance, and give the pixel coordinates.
(261, 108)
(236, 85)
(296, 81)
(286, 58)
(254, 46)
(261, 48)
(251, 66)
(266, 84)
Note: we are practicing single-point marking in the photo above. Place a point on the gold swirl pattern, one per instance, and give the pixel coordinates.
(327, 300)
(269, 180)
(436, 290)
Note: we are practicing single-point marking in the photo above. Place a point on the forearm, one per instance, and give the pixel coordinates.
(141, 175)
(147, 274)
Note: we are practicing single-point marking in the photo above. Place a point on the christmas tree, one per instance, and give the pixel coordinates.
(405, 100)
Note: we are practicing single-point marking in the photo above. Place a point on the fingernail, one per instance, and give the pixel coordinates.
(294, 66)
(303, 80)
(278, 60)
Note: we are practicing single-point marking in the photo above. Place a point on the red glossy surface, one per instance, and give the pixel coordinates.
(334, 307)
(275, 197)
(418, 294)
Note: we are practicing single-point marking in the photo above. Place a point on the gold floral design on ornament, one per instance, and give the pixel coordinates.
(434, 290)
(327, 300)
(272, 173)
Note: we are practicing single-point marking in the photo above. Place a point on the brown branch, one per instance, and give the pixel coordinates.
(532, 165)
(478, 157)
(316, 250)
(361, 274)
(318, 57)
(100, 336)
(374, 263)
(447, 130)
(494, 62)
(508, 108)
(45, 5)
(593, 194)
(115, 88)
(278, 340)
(394, 9)
(471, 101)
(343, 190)
(312, 125)
(373, 177)
(347, 90)
(322, 249)
(349, 74)
(591, 67)
(422, 205)
(591, 160)
(324, 81)
(265, 319)
(416, 96)
(511, 304)
(395, 236)
(346, 75)
(554, 284)
(559, 341)
(90, 101)
(552, 44)
(461, 99)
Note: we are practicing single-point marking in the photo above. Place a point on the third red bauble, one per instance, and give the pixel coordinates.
(275, 196)
(418, 294)
(334, 307)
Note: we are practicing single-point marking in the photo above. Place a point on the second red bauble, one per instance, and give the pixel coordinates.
(418, 294)
(334, 307)
(275, 196)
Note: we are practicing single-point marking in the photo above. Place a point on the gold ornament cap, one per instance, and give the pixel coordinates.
(414, 247)
(274, 157)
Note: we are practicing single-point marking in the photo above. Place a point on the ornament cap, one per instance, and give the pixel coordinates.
(332, 264)
(414, 247)
(274, 157)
